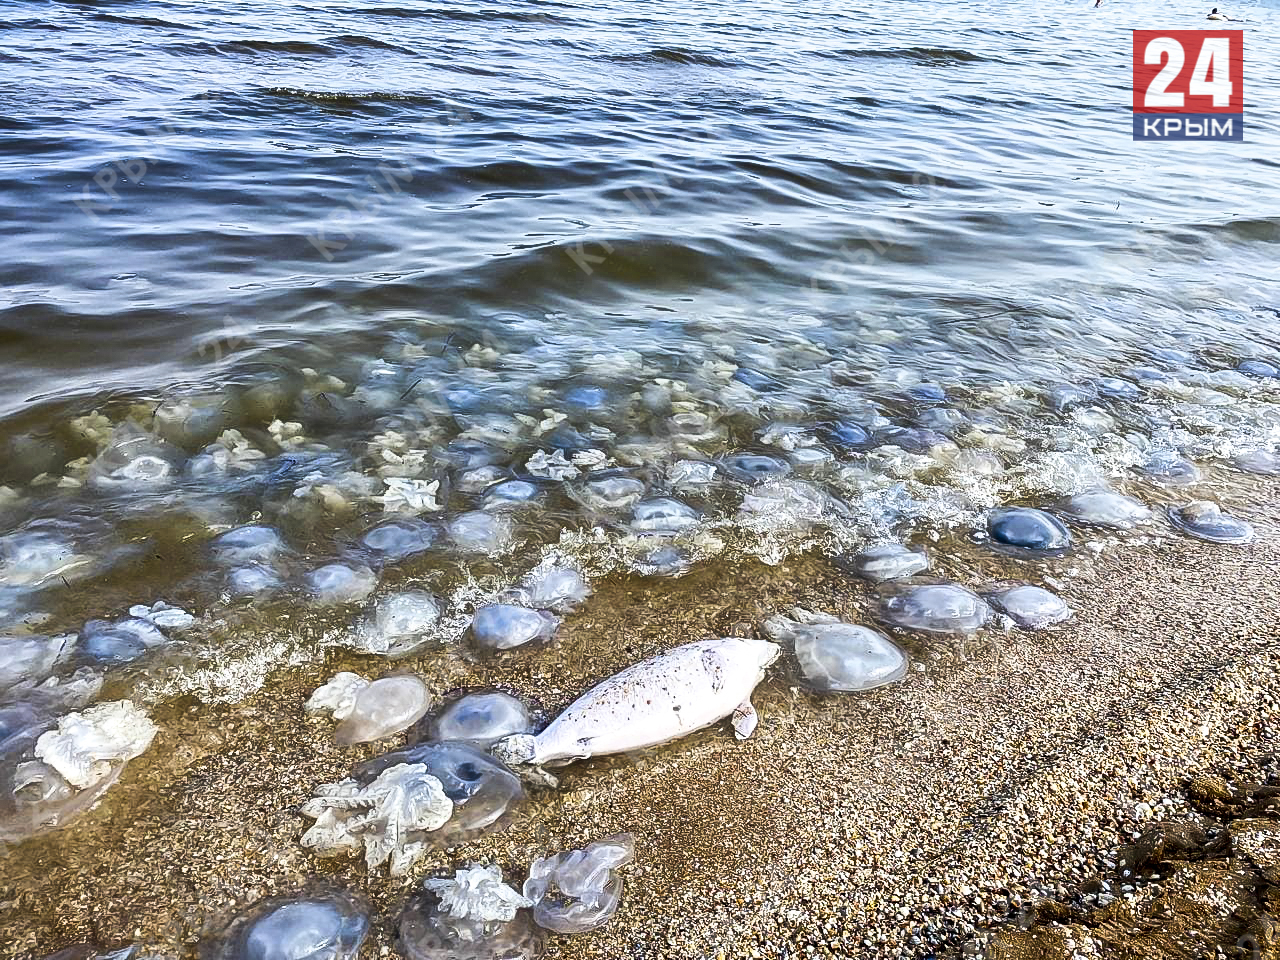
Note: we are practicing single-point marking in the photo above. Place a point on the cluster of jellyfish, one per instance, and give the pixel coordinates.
(463, 481)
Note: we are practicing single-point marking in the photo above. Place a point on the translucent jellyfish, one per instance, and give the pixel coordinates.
(1169, 467)
(87, 746)
(192, 421)
(1259, 368)
(552, 586)
(398, 624)
(370, 710)
(511, 495)
(935, 608)
(484, 792)
(252, 579)
(696, 428)
(399, 538)
(691, 474)
(760, 382)
(663, 515)
(667, 561)
(847, 435)
(1029, 606)
(888, 561)
(336, 583)
(468, 454)
(1117, 389)
(1146, 375)
(31, 658)
(910, 439)
(398, 805)
(322, 926)
(810, 458)
(481, 532)
(1205, 520)
(120, 641)
(481, 719)
(1264, 462)
(477, 893)
(293, 470)
(410, 496)
(17, 720)
(473, 915)
(1027, 529)
(135, 460)
(390, 816)
(35, 798)
(40, 553)
(586, 399)
(1064, 396)
(479, 479)
(1105, 508)
(253, 542)
(46, 784)
(1173, 357)
(30, 708)
(613, 490)
(502, 626)
(927, 394)
(753, 468)
(579, 890)
(788, 505)
(946, 420)
(836, 656)
(163, 615)
(556, 466)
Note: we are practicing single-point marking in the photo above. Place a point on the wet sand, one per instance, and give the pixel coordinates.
(882, 825)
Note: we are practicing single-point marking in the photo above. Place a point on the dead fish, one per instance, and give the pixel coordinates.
(652, 702)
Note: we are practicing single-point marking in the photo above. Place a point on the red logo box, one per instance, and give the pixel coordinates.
(1188, 71)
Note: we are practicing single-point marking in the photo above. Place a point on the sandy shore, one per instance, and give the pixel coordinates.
(889, 824)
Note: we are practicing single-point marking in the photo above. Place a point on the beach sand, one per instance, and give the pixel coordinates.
(1002, 770)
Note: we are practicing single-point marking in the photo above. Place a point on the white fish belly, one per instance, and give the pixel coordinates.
(673, 694)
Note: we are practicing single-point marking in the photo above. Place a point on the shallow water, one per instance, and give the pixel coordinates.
(525, 270)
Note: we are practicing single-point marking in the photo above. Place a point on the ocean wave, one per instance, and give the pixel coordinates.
(328, 47)
(492, 15)
(931, 56)
(678, 56)
(137, 21)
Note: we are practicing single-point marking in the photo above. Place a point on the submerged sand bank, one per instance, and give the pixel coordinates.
(883, 824)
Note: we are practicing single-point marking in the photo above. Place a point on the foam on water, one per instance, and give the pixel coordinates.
(1003, 444)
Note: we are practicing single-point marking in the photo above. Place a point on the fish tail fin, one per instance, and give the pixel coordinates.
(515, 750)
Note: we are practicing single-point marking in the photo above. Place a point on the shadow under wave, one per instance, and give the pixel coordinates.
(373, 103)
(678, 56)
(931, 56)
(135, 21)
(328, 47)
(467, 16)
